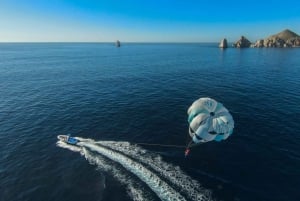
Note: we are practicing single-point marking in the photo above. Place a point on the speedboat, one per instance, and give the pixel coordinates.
(67, 139)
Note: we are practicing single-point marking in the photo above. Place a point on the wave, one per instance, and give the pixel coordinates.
(167, 181)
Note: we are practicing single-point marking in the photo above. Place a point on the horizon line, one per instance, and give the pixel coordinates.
(103, 42)
(107, 42)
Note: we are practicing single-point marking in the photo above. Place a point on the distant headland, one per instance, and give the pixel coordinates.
(286, 38)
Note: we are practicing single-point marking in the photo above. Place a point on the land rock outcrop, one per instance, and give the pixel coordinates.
(293, 42)
(286, 38)
(259, 43)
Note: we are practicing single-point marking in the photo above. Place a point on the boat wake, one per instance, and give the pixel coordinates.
(152, 174)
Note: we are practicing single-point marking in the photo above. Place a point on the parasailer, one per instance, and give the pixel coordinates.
(187, 152)
(208, 121)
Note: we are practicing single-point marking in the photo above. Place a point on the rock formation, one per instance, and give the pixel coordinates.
(259, 43)
(293, 42)
(242, 42)
(118, 43)
(223, 43)
(284, 35)
(274, 42)
(286, 38)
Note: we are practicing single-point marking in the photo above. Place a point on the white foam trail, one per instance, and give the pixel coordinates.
(67, 146)
(133, 187)
(161, 188)
(185, 184)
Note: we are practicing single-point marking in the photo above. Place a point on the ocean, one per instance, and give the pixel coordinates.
(112, 98)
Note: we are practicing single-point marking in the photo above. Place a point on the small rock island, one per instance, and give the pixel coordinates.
(242, 42)
(223, 43)
(118, 43)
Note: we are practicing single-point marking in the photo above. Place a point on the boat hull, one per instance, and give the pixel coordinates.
(67, 139)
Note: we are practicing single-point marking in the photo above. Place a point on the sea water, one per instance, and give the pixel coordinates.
(141, 93)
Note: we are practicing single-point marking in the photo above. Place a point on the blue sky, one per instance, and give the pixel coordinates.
(144, 21)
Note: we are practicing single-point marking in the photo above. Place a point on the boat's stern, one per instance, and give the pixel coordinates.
(63, 138)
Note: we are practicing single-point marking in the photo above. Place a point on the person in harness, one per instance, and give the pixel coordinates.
(187, 152)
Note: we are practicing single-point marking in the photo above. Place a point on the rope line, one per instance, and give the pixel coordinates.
(168, 145)
(161, 145)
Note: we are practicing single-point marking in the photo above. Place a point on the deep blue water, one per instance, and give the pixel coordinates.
(141, 93)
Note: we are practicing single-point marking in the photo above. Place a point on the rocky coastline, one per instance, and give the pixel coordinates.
(286, 38)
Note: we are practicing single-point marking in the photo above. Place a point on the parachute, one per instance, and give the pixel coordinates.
(209, 120)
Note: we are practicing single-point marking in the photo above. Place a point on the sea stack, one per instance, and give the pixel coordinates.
(242, 42)
(118, 44)
(223, 43)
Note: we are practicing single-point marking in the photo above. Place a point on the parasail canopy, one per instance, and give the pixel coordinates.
(209, 120)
